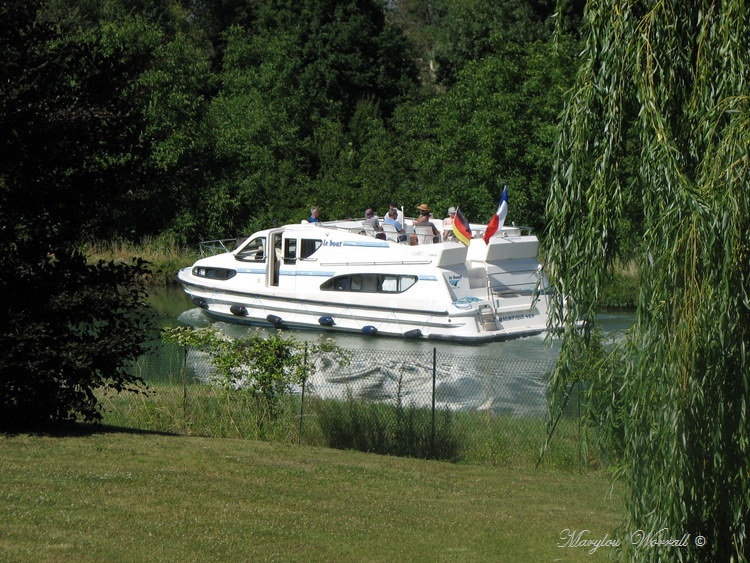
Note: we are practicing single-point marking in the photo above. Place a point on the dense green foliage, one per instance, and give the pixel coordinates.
(677, 396)
(69, 326)
(210, 119)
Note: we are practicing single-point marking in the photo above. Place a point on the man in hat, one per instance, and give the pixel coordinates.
(425, 219)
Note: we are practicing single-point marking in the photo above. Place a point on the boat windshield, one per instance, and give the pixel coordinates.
(253, 251)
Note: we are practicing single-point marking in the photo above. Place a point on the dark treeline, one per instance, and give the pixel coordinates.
(211, 118)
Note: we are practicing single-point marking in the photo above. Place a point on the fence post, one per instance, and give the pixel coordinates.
(434, 371)
(184, 385)
(302, 402)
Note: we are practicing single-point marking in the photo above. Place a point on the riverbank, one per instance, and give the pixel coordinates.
(165, 256)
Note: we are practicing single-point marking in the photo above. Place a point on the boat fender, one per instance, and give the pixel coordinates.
(274, 320)
(238, 310)
(326, 321)
(414, 333)
(370, 330)
(200, 302)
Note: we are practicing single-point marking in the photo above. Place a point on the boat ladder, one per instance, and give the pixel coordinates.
(487, 318)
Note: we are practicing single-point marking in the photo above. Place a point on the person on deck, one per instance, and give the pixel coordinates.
(370, 219)
(392, 219)
(448, 223)
(400, 217)
(425, 218)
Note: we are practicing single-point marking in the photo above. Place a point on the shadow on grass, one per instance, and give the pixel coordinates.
(80, 429)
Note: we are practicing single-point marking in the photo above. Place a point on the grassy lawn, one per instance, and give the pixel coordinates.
(128, 496)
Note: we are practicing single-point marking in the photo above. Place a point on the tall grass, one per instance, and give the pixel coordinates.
(181, 406)
(165, 253)
(201, 410)
(386, 429)
(620, 290)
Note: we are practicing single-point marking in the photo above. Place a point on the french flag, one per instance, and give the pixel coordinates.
(498, 219)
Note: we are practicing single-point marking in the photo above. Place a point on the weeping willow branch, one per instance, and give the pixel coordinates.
(668, 82)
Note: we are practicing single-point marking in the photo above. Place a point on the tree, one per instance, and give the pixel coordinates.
(684, 379)
(495, 126)
(470, 30)
(69, 327)
(293, 74)
(149, 63)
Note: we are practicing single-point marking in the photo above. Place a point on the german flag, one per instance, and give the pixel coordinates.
(461, 228)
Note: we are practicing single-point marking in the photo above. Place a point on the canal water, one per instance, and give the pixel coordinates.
(507, 377)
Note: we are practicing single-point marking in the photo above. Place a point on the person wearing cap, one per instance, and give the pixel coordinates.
(448, 223)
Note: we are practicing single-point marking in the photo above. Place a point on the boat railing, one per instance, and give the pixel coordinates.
(525, 230)
(218, 246)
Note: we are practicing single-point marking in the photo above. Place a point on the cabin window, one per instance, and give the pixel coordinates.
(253, 251)
(370, 283)
(309, 247)
(290, 250)
(214, 273)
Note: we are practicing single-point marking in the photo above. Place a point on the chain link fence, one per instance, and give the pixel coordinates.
(458, 407)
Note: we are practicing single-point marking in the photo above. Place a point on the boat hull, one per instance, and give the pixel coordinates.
(432, 293)
(460, 325)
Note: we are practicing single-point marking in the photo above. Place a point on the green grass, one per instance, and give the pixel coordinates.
(128, 496)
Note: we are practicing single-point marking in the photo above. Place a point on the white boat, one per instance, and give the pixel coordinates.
(334, 276)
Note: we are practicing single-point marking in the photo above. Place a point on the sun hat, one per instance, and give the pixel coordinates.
(424, 207)
(451, 210)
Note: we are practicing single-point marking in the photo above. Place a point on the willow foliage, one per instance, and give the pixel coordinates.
(670, 80)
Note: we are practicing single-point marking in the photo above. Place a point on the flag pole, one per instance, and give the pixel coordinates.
(489, 289)
(487, 277)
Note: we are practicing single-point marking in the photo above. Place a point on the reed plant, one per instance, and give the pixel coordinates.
(165, 253)
(391, 429)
